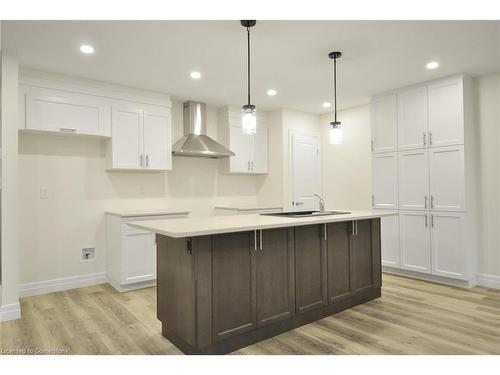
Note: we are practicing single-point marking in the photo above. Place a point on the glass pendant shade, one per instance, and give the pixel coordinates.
(249, 122)
(336, 135)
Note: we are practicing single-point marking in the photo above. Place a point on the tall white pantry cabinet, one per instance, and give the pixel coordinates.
(423, 165)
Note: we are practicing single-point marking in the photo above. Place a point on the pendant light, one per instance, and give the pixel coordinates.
(249, 120)
(336, 127)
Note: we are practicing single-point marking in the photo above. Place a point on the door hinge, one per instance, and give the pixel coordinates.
(189, 246)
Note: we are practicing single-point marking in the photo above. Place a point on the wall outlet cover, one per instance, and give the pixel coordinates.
(87, 254)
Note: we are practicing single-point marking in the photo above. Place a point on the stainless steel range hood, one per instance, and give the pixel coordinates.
(195, 142)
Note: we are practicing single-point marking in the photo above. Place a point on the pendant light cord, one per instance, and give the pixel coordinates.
(248, 62)
(335, 86)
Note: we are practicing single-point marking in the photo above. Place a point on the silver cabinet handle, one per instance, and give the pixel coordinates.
(373, 200)
(356, 227)
(371, 144)
(255, 240)
(426, 224)
(430, 138)
(325, 232)
(248, 165)
(252, 165)
(432, 220)
(298, 203)
(432, 201)
(353, 230)
(141, 160)
(425, 202)
(424, 138)
(67, 130)
(147, 160)
(261, 239)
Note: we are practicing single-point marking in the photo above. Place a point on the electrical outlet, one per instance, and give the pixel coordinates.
(87, 254)
(44, 192)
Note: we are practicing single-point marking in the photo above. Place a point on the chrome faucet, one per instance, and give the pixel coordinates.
(321, 203)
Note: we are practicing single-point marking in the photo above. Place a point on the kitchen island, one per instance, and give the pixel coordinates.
(226, 282)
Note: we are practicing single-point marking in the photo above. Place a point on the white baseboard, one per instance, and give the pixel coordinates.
(10, 312)
(428, 277)
(65, 283)
(488, 281)
(128, 288)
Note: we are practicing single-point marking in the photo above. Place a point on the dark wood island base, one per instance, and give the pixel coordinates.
(219, 293)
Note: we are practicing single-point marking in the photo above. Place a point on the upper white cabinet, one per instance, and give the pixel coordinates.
(251, 151)
(52, 110)
(141, 138)
(446, 112)
(384, 123)
(385, 180)
(414, 179)
(447, 178)
(412, 118)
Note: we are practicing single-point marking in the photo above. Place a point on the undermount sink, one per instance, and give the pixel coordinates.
(296, 214)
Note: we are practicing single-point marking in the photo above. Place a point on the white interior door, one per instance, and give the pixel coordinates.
(127, 142)
(415, 241)
(446, 112)
(412, 119)
(414, 179)
(384, 124)
(157, 140)
(448, 249)
(240, 145)
(385, 180)
(447, 178)
(305, 171)
(389, 234)
(259, 150)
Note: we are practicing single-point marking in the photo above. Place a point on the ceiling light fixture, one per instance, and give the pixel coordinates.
(432, 65)
(195, 75)
(271, 92)
(86, 49)
(336, 129)
(327, 105)
(249, 121)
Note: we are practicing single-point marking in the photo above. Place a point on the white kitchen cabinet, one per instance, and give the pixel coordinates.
(414, 179)
(58, 111)
(130, 251)
(447, 178)
(446, 112)
(449, 257)
(412, 118)
(389, 240)
(385, 180)
(141, 138)
(251, 151)
(384, 123)
(415, 241)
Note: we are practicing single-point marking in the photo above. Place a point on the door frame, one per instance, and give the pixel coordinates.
(291, 132)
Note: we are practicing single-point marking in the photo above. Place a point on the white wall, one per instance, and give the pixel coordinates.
(487, 120)
(347, 167)
(80, 190)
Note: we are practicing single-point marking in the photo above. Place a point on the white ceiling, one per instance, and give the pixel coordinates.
(290, 56)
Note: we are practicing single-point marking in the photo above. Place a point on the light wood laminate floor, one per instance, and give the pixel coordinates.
(411, 317)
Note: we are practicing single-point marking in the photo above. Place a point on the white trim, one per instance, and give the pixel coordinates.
(134, 286)
(488, 281)
(11, 311)
(57, 285)
(429, 277)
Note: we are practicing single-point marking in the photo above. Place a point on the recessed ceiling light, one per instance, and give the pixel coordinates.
(271, 92)
(86, 49)
(195, 75)
(432, 65)
(327, 105)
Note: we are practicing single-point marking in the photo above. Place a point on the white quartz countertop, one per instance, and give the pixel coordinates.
(200, 226)
(151, 212)
(248, 208)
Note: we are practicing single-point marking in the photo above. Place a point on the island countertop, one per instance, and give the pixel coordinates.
(201, 226)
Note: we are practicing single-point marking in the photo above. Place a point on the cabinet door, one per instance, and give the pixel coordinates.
(448, 249)
(447, 178)
(240, 145)
(310, 268)
(275, 276)
(415, 242)
(157, 140)
(414, 179)
(339, 261)
(383, 124)
(233, 284)
(139, 256)
(385, 180)
(365, 257)
(389, 234)
(412, 119)
(126, 140)
(259, 150)
(446, 112)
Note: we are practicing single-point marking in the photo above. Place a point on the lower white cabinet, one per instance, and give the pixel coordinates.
(390, 241)
(131, 252)
(449, 257)
(415, 241)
